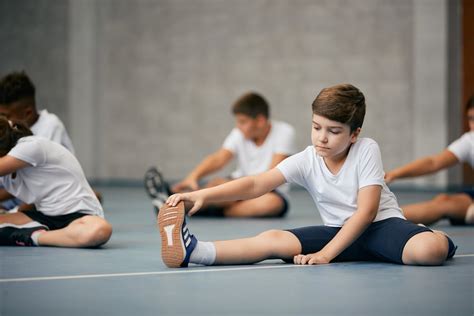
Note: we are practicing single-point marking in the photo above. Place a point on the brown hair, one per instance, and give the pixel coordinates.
(251, 104)
(10, 134)
(342, 103)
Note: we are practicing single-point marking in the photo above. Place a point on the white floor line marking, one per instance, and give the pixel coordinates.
(467, 255)
(179, 271)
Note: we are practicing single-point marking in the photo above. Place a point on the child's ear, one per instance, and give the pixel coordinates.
(355, 135)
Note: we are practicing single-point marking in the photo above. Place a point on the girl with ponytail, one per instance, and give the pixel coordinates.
(41, 172)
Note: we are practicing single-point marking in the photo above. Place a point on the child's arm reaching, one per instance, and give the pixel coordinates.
(241, 189)
(368, 200)
(9, 164)
(423, 166)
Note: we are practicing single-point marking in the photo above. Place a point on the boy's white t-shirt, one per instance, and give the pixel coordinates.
(336, 195)
(50, 127)
(253, 159)
(463, 148)
(54, 182)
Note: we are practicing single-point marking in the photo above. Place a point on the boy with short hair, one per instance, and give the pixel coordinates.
(18, 103)
(458, 207)
(258, 144)
(344, 175)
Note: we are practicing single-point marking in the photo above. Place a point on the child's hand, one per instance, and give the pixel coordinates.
(185, 185)
(389, 177)
(313, 258)
(192, 197)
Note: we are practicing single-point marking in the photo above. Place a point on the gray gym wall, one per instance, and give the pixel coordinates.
(141, 83)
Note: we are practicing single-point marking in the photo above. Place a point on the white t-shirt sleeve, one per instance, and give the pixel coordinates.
(286, 142)
(370, 166)
(29, 151)
(293, 168)
(462, 148)
(232, 140)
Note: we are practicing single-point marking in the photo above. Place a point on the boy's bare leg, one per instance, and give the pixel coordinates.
(272, 244)
(267, 205)
(15, 219)
(452, 206)
(87, 231)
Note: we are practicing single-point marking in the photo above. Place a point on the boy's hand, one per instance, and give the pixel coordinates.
(192, 197)
(186, 185)
(389, 177)
(313, 258)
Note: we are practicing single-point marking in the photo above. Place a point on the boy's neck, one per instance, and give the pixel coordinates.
(259, 140)
(33, 119)
(335, 163)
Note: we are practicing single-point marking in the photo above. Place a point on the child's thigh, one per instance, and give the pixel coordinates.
(314, 238)
(18, 218)
(386, 239)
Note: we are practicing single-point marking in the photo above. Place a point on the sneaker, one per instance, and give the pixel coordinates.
(156, 187)
(177, 243)
(13, 235)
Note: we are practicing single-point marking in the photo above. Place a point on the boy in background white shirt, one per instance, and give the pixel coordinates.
(459, 207)
(257, 143)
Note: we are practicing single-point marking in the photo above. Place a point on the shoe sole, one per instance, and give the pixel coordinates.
(150, 183)
(170, 225)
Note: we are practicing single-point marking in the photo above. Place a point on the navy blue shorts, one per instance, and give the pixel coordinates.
(54, 222)
(382, 241)
(462, 222)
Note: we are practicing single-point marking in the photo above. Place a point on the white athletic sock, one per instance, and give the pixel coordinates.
(204, 253)
(469, 219)
(35, 236)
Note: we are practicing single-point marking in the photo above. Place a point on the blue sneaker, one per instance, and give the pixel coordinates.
(177, 243)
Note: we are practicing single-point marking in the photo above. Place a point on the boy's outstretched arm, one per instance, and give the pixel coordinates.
(241, 189)
(422, 166)
(210, 164)
(368, 200)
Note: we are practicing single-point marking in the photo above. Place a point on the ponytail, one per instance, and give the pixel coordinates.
(10, 133)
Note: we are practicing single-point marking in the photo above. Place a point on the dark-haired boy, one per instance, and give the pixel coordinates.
(257, 143)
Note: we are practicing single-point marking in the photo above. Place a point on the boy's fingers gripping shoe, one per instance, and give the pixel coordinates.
(177, 243)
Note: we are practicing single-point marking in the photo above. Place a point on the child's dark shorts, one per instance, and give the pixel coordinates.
(54, 222)
(462, 222)
(382, 241)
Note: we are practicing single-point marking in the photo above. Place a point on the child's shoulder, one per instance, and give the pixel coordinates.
(364, 145)
(365, 142)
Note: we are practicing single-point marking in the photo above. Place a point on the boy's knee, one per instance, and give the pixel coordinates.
(272, 235)
(431, 249)
(97, 234)
(441, 197)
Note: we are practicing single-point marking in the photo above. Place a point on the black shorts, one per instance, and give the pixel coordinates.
(462, 222)
(381, 241)
(54, 222)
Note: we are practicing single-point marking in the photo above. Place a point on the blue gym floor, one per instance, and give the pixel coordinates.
(127, 277)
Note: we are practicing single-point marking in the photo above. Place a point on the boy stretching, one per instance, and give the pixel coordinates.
(258, 144)
(344, 175)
